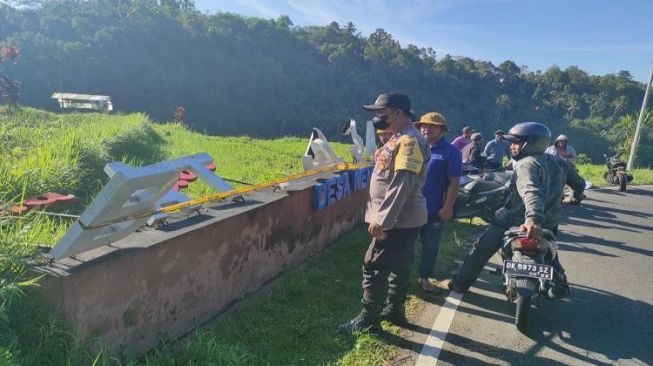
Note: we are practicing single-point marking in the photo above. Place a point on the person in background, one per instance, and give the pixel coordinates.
(395, 213)
(496, 150)
(440, 190)
(464, 139)
(562, 148)
(567, 153)
(384, 137)
(471, 153)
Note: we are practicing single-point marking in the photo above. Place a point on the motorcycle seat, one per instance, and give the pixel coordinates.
(467, 170)
(489, 176)
(470, 186)
(481, 185)
(515, 232)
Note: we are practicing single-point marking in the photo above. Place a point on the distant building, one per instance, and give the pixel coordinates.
(84, 101)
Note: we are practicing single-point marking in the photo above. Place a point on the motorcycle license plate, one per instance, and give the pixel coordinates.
(533, 270)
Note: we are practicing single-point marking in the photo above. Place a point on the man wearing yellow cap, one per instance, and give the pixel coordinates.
(440, 189)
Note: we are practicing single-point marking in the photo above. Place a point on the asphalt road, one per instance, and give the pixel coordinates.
(606, 246)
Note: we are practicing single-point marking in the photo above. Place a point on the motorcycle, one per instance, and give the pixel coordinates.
(481, 194)
(528, 273)
(617, 174)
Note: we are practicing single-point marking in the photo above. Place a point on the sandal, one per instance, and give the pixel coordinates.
(427, 286)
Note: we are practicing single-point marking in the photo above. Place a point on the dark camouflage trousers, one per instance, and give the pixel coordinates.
(387, 267)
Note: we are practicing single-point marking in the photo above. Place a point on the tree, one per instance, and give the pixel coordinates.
(9, 88)
(571, 105)
(618, 105)
(502, 105)
(623, 134)
(268, 78)
(284, 22)
(509, 73)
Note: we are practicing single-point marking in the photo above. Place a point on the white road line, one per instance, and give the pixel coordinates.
(435, 341)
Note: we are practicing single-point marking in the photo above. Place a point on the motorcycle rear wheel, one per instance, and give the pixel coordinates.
(622, 183)
(522, 312)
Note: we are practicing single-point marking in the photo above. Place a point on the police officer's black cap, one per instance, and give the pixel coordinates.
(499, 132)
(390, 100)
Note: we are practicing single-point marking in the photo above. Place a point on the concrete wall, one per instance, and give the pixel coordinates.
(159, 284)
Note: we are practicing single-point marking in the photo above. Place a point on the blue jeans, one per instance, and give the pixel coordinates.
(431, 235)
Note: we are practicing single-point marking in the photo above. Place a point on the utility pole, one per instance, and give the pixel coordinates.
(633, 147)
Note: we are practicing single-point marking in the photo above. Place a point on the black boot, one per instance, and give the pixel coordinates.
(368, 319)
(394, 313)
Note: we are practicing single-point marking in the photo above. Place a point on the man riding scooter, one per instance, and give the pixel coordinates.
(533, 202)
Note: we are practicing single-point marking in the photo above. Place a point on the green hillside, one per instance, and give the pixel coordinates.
(240, 75)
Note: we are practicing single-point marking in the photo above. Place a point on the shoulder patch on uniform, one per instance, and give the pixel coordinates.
(409, 156)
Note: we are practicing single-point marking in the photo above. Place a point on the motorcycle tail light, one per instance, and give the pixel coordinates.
(530, 245)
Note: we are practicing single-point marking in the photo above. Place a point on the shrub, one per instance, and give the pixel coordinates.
(137, 143)
(583, 159)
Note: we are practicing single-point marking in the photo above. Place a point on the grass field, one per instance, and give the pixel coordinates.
(292, 322)
(594, 173)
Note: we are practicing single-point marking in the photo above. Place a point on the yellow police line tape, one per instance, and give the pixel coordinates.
(222, 195)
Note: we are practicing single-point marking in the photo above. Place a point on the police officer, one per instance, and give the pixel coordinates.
(533, 202)
(396, 210)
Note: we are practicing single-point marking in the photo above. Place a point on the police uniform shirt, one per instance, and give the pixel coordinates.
(395, 197)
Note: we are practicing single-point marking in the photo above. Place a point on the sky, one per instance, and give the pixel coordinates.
(599, 36)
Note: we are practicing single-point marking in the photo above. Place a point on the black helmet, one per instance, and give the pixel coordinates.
(536, 137)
